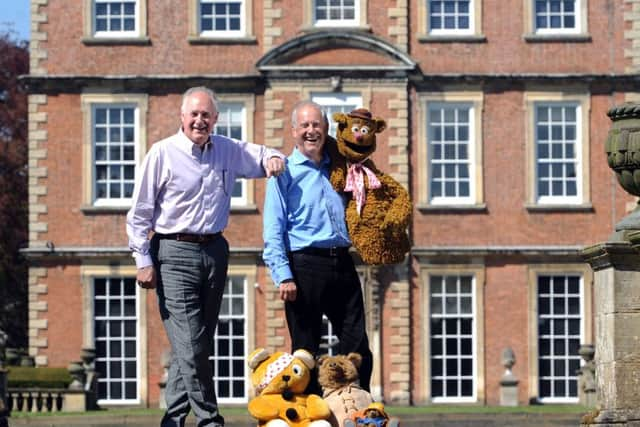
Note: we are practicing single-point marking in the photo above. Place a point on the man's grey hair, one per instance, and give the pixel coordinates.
(305, 103)
(200, 89)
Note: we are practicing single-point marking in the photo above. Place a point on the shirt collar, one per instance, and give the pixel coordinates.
(298, 158)
(187, 145)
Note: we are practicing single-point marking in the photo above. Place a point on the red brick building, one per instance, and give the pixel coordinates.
(496, 115)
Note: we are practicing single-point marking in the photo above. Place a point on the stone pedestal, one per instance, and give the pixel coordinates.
(508, 382)
(76, 401)
(165, 359)
(587, 377)
(616, 264)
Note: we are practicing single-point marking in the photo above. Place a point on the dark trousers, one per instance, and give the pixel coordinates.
(191, 281)
(330, 286)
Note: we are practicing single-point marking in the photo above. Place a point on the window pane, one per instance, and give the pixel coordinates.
(116, 360)
(229, 346)
(451, 342)
(559, 333)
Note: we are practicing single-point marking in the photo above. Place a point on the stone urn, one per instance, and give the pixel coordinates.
(623, 155)
(76, 370)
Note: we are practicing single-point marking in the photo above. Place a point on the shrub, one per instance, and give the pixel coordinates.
(26, 376)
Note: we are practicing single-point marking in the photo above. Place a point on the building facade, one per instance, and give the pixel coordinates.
(496, 114)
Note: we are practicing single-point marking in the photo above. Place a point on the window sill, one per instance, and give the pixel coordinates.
(336, 29)
(452, 38)
(535, 208)
(100, 210)
(244, 209)
(557, 38)
(427, 208)
(116, 41)
(196, 40)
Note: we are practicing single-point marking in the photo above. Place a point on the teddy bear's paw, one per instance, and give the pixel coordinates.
(320, 423)
(277, 423)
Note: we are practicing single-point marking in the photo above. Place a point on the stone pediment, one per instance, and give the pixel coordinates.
(343, 51)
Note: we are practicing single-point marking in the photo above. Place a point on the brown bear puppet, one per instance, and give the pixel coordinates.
(379, 210)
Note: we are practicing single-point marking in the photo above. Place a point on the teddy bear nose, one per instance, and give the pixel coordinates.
(286, 378)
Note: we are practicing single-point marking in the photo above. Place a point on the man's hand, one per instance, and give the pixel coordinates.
(146, 277)
(274, 166)
(288, 290)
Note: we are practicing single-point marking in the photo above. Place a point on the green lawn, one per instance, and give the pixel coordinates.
(394, 410)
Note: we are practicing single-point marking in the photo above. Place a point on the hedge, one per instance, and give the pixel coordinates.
(41, 377)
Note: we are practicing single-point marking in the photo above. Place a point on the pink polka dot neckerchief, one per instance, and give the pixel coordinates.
(355, 182)
(273, 370)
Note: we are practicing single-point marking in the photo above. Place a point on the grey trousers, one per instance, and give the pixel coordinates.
(191, 281)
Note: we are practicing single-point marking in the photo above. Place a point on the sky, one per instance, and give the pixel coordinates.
(14, 16)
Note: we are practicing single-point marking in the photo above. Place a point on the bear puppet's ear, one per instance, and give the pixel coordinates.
(306, 357)
(356, 359)
(340, 118)
(258, 355)
(380, 124)
(320, 360)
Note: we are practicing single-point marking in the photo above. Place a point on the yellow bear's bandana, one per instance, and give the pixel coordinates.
(273, 370)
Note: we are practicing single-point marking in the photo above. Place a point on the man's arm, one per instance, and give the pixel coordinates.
(254, 160)
(275, 230)
(140, 217)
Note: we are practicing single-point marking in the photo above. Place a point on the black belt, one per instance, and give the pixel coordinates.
(191, 238)
(336, 251)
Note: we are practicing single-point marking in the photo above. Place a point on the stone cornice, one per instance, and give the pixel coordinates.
(256, 83)
(51, 252)
(284, 55)
(622, 82)
(153, 84)
(546, 253)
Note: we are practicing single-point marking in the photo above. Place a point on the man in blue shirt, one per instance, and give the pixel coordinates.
(307, 246)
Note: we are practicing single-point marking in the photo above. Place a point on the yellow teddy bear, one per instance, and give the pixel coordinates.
(379, 210)
(279, 381)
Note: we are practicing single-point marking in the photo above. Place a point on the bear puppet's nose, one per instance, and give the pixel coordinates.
(292, 414)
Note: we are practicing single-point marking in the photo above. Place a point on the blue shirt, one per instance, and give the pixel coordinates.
(301, 209)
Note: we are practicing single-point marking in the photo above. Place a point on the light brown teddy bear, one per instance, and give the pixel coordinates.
(279, 381)
(338, 377)
(379, 210)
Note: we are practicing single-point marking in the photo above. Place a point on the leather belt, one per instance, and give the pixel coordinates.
(191, 238)
(336, 251)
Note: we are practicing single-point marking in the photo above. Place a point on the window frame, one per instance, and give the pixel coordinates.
(426, 33)
(476, 193)
(328, 100)
(568, 269)
(247, 202)
(88, 104)
(582, 102)
(327, 22)
(233, 357)
(453, 31)
(581, 22)
(245, 33)
(246, 268)
(91, 35)
(477, 272)
(91, 271)
(359, 21)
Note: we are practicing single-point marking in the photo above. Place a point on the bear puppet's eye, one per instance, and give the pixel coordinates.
(355, 129)
(364, 130)
(297, 370)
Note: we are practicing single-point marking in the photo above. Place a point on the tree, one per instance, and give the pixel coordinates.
(14, 61)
